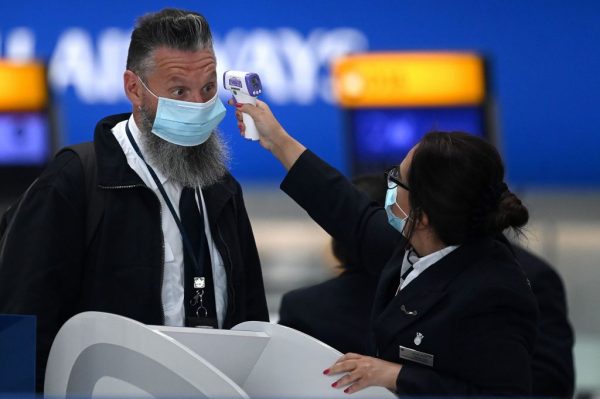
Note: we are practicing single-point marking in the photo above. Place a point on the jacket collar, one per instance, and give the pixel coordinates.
(114, 172)
(218, 195)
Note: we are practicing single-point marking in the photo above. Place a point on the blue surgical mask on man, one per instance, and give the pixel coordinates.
(390, 202)
(186, 123)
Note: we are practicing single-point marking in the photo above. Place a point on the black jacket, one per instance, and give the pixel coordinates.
(473, 309)
(553, 371)
(336, 311)
(47, 272)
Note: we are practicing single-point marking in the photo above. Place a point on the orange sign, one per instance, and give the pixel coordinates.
(411, 79)
(22, 86)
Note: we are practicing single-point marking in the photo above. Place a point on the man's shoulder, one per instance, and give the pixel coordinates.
(66, 165)
(229, 180)
(60, 180)
(227, 185)
(103, 136)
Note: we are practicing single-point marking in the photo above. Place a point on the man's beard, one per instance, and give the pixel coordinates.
(196, 166)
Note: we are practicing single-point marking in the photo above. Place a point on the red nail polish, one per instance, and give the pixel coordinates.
(238, 105)
(326, 371)
(347, 390)
(334, 384)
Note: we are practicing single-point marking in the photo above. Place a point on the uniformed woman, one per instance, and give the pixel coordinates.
(454, 313)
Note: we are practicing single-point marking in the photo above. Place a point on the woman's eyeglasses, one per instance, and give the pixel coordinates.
(392, 176)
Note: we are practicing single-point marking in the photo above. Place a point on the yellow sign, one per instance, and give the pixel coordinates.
(411, 79)
(22, 86)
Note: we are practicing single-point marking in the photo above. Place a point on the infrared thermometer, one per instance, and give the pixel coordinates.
(245, 86)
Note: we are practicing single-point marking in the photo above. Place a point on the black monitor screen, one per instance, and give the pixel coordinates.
(381, 137)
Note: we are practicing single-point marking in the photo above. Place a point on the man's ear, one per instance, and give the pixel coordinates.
(133, 88)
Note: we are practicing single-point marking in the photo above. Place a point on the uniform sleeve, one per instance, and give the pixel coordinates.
(417, 380)
(343, 211)
(40, 270)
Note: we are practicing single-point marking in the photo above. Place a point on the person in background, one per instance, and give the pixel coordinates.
(453, 313)
(174, 245)
(338, 311)
(553, 370)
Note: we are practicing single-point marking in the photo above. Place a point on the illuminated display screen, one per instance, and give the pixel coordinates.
(381, 137)
(24, 139)
(409, 79)
(26, 134)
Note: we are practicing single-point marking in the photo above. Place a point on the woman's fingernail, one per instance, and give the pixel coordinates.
(347, 390)
(239, 105)
(326, 371)
(334, 384)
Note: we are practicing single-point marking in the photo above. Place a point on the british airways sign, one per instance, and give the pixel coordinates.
(294, 67)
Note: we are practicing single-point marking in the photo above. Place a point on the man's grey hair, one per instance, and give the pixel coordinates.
(171, 28)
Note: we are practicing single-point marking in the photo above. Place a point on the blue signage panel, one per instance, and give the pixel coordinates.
(17, 346)
(542, 69)
(25, 138)
(379, 137)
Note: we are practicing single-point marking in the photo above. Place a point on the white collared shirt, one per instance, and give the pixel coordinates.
(172, 287)
(421, 264)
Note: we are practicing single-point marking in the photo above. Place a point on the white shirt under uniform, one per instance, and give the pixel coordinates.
(419, 265)
(172, 287)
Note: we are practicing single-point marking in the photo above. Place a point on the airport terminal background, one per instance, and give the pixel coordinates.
(543, 59)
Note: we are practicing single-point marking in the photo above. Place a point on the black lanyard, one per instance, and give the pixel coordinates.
(186, 242)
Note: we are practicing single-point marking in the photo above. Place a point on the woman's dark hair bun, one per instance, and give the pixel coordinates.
(510, 213)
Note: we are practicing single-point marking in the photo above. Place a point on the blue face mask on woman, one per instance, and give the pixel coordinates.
(390, 202)
(186, 123)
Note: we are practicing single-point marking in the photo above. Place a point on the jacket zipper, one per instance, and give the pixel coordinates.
(162, 254)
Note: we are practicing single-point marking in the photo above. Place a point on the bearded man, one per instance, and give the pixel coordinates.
(174, 245)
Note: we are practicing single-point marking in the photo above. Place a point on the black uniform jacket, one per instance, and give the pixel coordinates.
(47, 272)
(336, 311)
(471, 317)
(553, 370)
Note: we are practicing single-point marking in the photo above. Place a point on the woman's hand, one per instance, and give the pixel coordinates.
(272, 135)
(364, 371)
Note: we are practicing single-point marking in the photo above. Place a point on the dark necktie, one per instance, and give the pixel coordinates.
(199, 302)
(411, 257)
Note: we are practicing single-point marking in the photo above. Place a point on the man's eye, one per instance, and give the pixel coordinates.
(178, 92)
